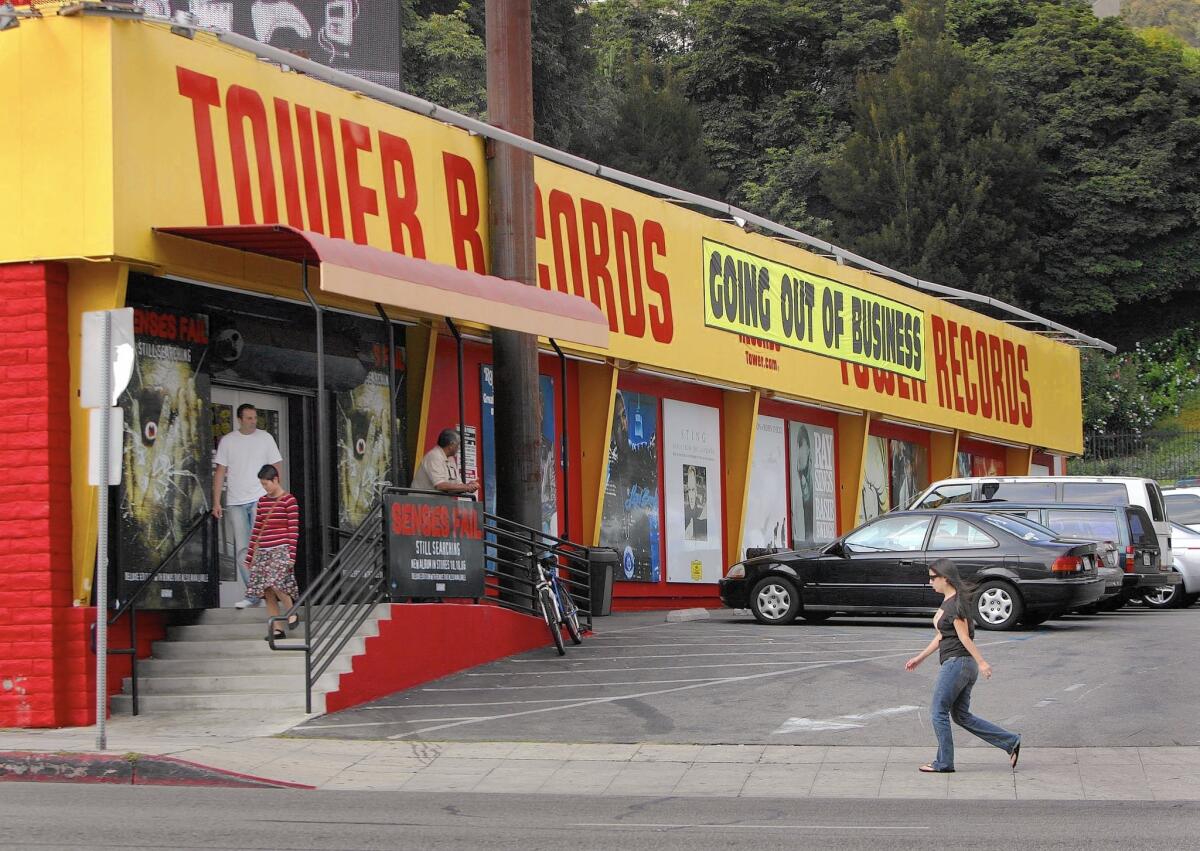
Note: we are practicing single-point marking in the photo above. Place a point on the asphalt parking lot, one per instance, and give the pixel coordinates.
(1115, 680)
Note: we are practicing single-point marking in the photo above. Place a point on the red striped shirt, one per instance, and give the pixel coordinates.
(276, 523)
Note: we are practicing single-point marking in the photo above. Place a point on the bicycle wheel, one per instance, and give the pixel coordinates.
(551, 618)
(570, 614)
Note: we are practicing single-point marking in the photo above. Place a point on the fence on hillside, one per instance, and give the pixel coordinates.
(1165, 455)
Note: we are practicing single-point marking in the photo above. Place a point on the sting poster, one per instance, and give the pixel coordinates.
(814, 492)
(876, 489)
(692, 467)
(629, 523)
(166, 477)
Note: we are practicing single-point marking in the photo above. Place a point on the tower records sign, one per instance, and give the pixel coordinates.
(360, 37)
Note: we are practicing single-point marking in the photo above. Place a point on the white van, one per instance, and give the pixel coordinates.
(1103, 490)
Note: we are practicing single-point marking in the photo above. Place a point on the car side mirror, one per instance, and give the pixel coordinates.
(837, 548)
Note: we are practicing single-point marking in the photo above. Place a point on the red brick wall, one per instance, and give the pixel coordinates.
(47, 667)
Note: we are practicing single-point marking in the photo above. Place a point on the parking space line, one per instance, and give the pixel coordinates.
(576, 685)
(690, 655)
(654, 692)
(646, 668)
(465, 705)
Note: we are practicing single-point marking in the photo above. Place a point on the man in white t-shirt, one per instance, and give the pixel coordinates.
(240, 455)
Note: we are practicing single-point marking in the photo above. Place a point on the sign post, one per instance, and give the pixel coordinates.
(108, 356)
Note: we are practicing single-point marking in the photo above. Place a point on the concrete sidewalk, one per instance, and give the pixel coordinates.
(233, 742)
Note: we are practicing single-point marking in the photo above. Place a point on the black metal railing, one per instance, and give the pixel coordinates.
(342, 597)
(510, 561)
(204, 525)
(338, 601)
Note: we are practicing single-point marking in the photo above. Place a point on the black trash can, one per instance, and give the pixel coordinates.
(602, 566)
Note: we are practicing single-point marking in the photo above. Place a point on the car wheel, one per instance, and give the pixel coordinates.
(774, 601)
(1166, 597)
(816, 617)
(998, 605)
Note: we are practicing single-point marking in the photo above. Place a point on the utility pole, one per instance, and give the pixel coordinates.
(511, 226)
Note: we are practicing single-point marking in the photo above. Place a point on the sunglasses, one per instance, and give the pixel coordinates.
(934, 576)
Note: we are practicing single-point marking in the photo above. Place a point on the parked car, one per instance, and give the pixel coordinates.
(1098, 490)
(1183, 506)
(1023, 573)
(1127, 528)
(1186, 551)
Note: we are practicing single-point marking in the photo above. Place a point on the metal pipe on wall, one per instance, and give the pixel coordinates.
(323, 462)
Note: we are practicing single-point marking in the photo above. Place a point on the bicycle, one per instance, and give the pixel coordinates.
(556, 603)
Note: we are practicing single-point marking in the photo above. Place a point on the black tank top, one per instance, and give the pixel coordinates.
(950, 646)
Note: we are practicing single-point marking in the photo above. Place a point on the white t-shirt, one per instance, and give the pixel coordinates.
(244, 455)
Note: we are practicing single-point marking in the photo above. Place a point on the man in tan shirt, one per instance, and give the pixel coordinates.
(438, 471)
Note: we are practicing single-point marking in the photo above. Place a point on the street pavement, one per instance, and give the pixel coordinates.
(62, 817)
(767, 744)
(1114, 680)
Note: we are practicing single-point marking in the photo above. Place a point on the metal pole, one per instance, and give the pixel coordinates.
(462, 401)
(102, 536)
(323, 489)
(564, 531)
(391, 329)
(511, 225)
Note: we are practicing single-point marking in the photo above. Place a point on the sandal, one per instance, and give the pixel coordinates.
(1015, 755)
(277, 634)
(928, 768)
(293, 622)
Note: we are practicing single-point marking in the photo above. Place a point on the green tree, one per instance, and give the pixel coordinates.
(1181, 18)
(939, 177)
(1119, 134)
(444, 59)
(654, 132)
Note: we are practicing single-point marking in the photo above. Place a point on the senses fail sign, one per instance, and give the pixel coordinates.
(434, 546)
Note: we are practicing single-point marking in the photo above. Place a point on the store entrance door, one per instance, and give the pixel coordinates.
(272, 418)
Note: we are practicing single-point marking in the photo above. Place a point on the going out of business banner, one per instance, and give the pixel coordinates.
(166, 475)
(766, 522)
(756, 297)
(814, 491)
(692, 468)
(629, 523)
(361, 37)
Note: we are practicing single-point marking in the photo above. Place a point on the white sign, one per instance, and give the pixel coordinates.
(692, 471)
(94, 360)
(766, 523)
(470, 451)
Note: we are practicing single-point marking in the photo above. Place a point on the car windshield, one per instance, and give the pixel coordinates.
(1024, 529)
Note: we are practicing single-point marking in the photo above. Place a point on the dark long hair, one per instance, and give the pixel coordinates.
(964, 591)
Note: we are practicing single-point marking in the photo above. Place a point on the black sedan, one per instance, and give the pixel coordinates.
(1023, 573)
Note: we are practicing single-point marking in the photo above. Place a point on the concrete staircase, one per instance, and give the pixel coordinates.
(221, 662)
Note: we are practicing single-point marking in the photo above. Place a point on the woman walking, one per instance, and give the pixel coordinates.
(962, 663)
(272, 554)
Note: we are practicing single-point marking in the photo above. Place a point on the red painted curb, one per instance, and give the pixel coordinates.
(132, 769)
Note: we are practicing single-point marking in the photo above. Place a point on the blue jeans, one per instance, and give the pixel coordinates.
(952, 699)
(241, 522)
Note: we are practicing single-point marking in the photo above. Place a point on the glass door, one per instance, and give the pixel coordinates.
(272, 418)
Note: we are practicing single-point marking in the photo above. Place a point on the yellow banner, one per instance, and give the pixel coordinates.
(751, 295)
(147, 129)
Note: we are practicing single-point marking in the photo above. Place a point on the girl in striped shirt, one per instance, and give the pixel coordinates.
(271, 558)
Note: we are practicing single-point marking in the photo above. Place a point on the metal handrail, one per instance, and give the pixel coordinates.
(337, 603)
(204, 521)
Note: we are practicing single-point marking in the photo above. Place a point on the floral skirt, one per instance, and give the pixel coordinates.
(272, 568)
